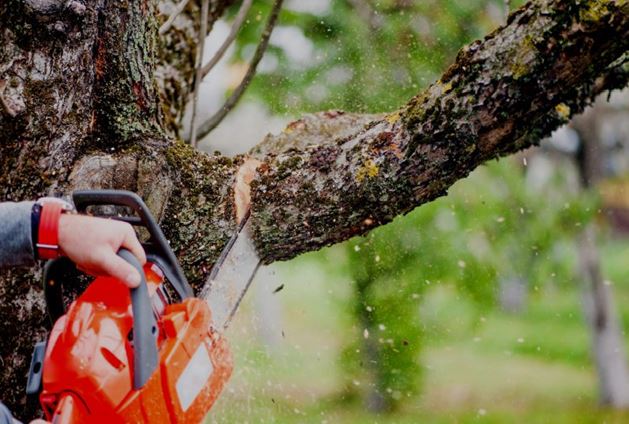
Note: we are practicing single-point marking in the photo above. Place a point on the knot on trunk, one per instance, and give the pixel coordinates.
(54, 9)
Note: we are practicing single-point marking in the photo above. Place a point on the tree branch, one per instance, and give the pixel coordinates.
(238, 21)
(176, 60)
(501, 95)
(171, 18)
(199, 71)
(326, 178)
(216, 119)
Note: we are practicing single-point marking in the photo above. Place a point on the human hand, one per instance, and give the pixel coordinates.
(92, 244)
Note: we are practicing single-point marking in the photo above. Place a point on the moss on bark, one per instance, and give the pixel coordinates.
(127, 107)
(200, 215)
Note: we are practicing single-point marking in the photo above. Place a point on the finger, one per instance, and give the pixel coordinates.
(85, 270)
(114, 266)
(131, 242)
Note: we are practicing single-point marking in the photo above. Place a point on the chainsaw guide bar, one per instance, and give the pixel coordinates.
(231, 276)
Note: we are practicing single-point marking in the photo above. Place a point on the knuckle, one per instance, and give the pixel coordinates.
(129, 230)
(93, 255)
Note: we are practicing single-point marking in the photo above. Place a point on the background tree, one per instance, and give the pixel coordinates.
(91, 97)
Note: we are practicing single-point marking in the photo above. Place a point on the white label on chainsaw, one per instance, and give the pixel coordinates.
(194, 377)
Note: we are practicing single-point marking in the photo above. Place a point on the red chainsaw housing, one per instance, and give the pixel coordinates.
(88, 366)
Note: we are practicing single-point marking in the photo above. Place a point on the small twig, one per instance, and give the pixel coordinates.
(367, 13)
(213, 122)
(178, 9)
(238, 21)
(507, 10)
(198, 77)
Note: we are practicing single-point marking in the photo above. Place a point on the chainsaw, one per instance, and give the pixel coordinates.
(152, 354)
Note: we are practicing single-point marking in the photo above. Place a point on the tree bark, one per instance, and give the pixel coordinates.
(89, 97)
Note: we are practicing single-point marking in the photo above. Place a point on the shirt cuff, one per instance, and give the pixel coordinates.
(16, 241)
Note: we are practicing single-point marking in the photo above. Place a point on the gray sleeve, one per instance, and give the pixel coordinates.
(16, 243)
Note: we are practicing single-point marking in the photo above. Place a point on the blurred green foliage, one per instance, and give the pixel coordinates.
(522, 368)
(371, 56)
(490, 227)
(366, 55)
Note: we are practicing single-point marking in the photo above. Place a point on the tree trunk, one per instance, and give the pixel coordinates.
(374, 399)
(608, 345)
(90, 97)
(607, 341)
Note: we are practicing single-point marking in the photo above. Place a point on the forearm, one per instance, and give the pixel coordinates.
(16, 245)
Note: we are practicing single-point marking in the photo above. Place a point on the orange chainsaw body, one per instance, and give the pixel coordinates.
(88, 364)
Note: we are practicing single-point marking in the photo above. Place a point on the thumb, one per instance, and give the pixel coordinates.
(117, 267)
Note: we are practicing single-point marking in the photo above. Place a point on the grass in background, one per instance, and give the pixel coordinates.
(481, 366)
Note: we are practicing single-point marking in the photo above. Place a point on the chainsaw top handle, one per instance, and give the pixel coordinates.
(157, 248)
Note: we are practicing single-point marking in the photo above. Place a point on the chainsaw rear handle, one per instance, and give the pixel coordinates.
(144, 326)
(157, 249)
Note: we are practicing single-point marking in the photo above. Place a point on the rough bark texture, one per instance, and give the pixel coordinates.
(79, 108)
(88, 98)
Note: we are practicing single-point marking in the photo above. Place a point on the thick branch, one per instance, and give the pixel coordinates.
(501, 95)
